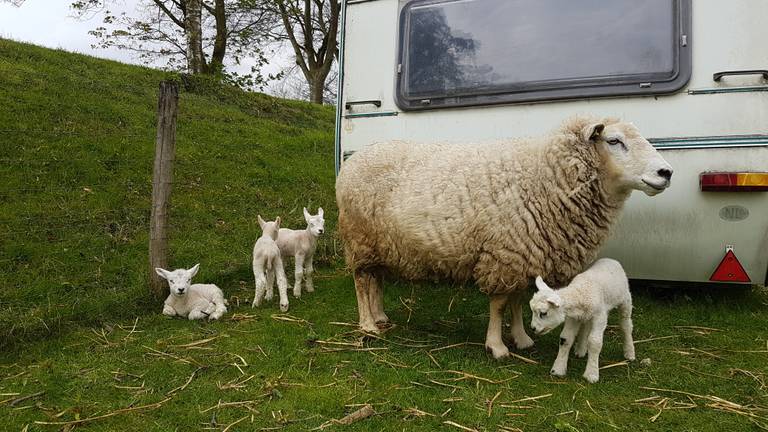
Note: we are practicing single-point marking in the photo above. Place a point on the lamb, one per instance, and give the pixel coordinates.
(468, 212)
(301, 245)
(584, 305)
(193, 301)
(268, 264)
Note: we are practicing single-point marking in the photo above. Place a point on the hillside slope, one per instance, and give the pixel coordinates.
(77, 144)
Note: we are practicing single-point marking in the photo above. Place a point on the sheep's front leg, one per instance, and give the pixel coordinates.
(376, 297)
(196, 314)
(567, 337)
(581, 340)
(594, 346)
(364, 281)
(168, 310)
(493, 342)
(298, 274)
(626, 327)
(282, 283)
(308, 271)
(522, 340)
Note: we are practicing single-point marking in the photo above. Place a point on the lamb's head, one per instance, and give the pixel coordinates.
(270, 228)
(315, 224)
(632, 161)
(546, 308)
(179, 280)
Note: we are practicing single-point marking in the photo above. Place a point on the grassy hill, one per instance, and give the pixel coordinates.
(83, 346)
(77, 144)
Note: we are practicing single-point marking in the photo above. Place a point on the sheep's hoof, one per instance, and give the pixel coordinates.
(580, 353)
(297, 294)
(557, 372)
(310, 288)
(496, 352)
(283, 307)
(523, 342)
(591, 377)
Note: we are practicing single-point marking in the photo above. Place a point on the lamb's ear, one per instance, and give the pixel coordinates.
(541, 285)
(592, 132)
(163, 273)
(306, 215)
(555, 300)
(320, 211)
(277, 222)
(261, 222)
(193, 271)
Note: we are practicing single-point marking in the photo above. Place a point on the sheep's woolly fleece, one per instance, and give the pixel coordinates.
(498, 213)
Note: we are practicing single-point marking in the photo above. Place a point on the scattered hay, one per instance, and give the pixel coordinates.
(363, 413)
(290, 318)
(751, 412)
(197, 343)
(462, 427)
(613, 365)
(655, 339)
(110, 414)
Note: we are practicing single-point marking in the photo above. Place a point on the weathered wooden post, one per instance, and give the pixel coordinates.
(162, 178)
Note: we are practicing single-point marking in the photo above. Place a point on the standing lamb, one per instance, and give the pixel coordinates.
(468, 212)
(584, 305)
(268, 264)
(301, 245)
(193, 301)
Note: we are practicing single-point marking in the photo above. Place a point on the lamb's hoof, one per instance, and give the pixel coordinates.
(523, 342)
(283, 307)
(297, 294)
(557, 372)
(310, 288)
(580, 353)
(630, 357)
(255, 304)
(497, 352)
(591, 377)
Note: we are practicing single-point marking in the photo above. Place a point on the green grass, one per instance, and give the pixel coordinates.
(80, 334)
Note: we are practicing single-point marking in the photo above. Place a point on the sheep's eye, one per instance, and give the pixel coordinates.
(542, 314)
(614, 141)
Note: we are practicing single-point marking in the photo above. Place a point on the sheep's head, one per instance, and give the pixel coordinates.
(315, 224)
(179, 280)
(546, 308)
(632, 160)
(270, 228)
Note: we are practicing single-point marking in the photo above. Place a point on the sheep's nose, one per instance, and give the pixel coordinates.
(320, 230)
(181, 290)
(666, 173)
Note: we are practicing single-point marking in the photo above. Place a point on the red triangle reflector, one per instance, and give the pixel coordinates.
(729, 270)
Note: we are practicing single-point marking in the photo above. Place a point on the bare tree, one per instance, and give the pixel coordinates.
(311, 27)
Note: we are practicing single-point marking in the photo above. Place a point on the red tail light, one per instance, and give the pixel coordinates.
(730, 270)
(733, 182)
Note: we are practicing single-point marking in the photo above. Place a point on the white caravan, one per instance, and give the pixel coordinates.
(692, 77)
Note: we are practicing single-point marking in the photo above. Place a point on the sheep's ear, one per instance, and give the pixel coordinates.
(555, 300)
(541, 285)
(193, 271)
(320, 211)
(163, 273)
(261, 222)
(306, 215)
(592, 132)
(277, 222)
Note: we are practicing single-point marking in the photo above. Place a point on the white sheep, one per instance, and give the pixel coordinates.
(301, 245)
(193, 301)
(468, 212)
(584, 305)
(268, 265)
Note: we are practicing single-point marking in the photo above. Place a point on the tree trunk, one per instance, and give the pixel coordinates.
(216, 65)
(194, 34)
(316, 87)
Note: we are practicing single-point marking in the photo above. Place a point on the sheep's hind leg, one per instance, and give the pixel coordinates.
(567, 337)
(594, 346)
(282, 283)
(377, 300)
(522, 340)
(493, 342)
(580, 349)
(298, 275)
(364, 282)
(309, 269)
(626, 327)
(261, 287)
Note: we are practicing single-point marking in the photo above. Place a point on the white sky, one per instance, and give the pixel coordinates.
(50, 23)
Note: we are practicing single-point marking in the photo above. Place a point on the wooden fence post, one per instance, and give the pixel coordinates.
(162, 178)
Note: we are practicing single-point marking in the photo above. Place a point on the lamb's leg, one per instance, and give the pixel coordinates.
(299, 275)
(282, 283)
(308, 270)
(626, 327)
(261, 286)
(377, 300)
(581, 340)
(522, 340)
(567, 337)
(196, 314)
(594, 346)
(167, 310)
(270, 293)
(493, 342)
(364, 281)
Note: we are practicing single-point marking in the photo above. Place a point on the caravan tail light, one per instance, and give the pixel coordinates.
(733, 181)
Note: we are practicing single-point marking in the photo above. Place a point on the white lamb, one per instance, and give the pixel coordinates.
(193, 301)
(301, 245)
(584, 305)
(268, 264)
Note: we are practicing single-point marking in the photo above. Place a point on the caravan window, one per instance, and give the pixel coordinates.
(475, 52)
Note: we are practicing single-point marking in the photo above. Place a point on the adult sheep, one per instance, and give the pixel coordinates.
(497, 214)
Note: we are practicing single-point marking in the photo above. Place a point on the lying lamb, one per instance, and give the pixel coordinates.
(196, 301)
(301, 244)
(584, 305)
(267, 263)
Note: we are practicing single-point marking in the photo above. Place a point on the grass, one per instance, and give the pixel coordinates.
(84, 347)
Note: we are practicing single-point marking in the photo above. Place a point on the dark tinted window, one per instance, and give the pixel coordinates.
(451, 52)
